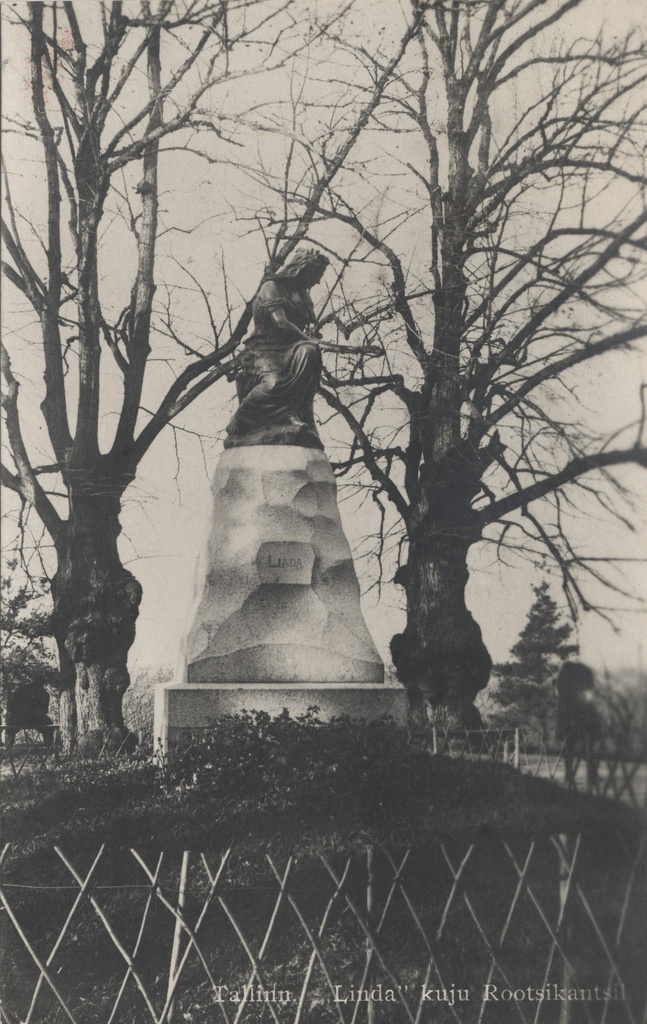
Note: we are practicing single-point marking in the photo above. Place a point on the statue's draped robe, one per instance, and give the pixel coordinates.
(279, 374)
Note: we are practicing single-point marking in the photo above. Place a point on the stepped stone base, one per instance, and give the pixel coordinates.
(279, 599)
(277, 621)
(180, 707)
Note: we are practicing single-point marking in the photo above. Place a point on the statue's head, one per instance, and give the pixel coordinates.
(307, 266)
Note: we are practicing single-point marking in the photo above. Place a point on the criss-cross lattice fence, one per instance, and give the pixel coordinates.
(487, 932)
(29, 750)
(477, 744)
(603, 770)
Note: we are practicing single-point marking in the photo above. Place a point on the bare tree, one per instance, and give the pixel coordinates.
(498, 214)
(75, 94)
(98, 129)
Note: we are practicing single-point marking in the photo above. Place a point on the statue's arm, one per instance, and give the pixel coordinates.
(271, 296)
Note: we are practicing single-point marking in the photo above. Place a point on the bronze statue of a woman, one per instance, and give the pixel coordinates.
(281, 365)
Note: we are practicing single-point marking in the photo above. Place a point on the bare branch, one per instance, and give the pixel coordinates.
(24, 481)
(370, 459)
(575, 468)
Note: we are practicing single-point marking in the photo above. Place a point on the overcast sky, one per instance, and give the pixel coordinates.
(167, 509)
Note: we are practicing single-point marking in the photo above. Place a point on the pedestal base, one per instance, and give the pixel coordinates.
(279, 599)
(180, 707)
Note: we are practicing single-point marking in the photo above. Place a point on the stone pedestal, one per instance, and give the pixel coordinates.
(179, 708)
(278, 621)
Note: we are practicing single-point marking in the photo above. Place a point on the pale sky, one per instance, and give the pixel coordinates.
(167, 509)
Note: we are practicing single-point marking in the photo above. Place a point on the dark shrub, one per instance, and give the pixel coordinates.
(287, 762)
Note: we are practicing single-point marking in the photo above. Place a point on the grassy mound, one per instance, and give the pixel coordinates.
(294, 790)
(294, 787)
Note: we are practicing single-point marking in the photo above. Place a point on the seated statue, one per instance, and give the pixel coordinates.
(281, 365)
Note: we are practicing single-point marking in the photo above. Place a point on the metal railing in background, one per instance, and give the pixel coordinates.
(600, 769)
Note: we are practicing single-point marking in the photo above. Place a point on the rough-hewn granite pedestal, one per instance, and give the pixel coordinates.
(278, 623)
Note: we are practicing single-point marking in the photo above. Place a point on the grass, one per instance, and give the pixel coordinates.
(291, 788)
(294, 789)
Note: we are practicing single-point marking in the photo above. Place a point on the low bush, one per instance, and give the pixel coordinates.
(292, 789)
(283, 762)
(288, 786)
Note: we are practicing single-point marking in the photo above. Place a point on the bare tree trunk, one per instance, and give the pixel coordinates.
(440, 657)
(67, 716)
(96, 603)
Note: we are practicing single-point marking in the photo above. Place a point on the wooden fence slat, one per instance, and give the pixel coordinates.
(184, 923)
(7, 1016)
(213, 882)
(569, 869)
(63, 930)
(372, 939)
(266, 937)
(635, 861)
(311, 938)
(520, 884)
(113, 936)
(140, 934)
(252, 959)
(277, 907)
(508, 920)
(320, 934)
(379, 925)
(605, 946)
(40, 965)
(453, 890)
(556, 944)
(488, 944)
(175, 949)
(432, 961)
(370, 917)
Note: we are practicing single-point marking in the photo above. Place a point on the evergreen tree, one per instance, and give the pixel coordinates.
(525, 693)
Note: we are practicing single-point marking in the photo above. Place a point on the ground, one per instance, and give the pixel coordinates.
(284, 793)
(291, 788)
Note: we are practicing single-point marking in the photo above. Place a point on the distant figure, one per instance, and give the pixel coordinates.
(27, 708)
(578, 723)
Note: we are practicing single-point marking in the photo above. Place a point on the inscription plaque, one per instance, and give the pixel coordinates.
(285, 562)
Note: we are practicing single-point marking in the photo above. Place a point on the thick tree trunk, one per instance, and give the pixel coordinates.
(96, 602)
(67, 717)
(440, 657)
